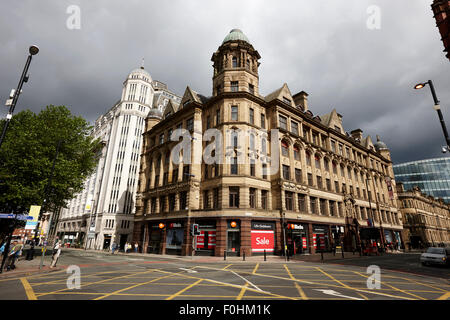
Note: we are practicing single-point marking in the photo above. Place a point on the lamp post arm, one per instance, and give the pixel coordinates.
(439, 112)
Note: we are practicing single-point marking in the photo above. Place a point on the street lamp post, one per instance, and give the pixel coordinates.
(33, 50)
(437, 107)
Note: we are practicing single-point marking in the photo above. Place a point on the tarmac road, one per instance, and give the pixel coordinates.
(137, 277)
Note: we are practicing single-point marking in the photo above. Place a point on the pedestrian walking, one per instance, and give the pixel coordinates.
(2, 248)
(136, 247)
(13, 256)
(113, 247)
(56, 253)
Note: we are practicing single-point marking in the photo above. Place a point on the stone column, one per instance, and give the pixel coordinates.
(221, 236)
(246, 243)
(312, 250)
(186, 248)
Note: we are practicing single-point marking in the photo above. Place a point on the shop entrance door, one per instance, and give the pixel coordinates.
(233, 242)
(298, 244)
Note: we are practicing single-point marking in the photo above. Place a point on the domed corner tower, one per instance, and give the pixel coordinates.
(382, 148)
(235, 65)
(138, 87)
(153, 118)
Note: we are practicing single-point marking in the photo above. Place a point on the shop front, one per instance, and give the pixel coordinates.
(174, 237)
(321, 241)
(337, 234)
(297, 238)
(233, 237)
(154, 238)
(262, 237)
(106, 241)
(206, 241)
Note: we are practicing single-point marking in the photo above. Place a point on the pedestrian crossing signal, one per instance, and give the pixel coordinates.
(195, 230)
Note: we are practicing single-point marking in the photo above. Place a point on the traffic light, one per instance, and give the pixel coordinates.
(195, 230)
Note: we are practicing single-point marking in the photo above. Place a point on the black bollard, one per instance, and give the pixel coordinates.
(342, 251)
(321, 256)
(243, 256)
(224, 255)
(265, 259)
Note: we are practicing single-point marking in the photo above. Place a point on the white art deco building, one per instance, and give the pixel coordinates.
(104, 211)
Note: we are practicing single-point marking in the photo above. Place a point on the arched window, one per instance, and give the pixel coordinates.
(317, 161)
(308, 158)
(252, 142)
(284, 148)
(334, 167)
(326, 164)
(234, 138)
(248, 64)
(296, 152)
(263, 146)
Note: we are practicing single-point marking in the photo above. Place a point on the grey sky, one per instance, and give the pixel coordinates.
(322, 47)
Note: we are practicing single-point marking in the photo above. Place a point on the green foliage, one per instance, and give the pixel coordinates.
(28, 152)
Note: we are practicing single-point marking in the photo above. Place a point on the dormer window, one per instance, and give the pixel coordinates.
(286, 100)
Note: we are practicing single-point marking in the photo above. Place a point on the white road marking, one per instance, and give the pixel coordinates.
(188, 270)
(254, 286)
(337, 294)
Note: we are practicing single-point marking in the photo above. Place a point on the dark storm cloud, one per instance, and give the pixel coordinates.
(322, 47)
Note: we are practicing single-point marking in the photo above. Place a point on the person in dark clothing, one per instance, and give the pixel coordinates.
(30, 252)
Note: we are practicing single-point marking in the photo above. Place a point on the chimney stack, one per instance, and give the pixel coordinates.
(357, 134)
(301, 99)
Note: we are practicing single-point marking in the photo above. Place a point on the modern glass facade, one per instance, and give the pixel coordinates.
(432, 176)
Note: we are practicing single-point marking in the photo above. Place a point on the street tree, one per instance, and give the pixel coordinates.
(27, 155)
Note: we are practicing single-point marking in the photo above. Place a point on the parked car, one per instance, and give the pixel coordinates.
(435, 255)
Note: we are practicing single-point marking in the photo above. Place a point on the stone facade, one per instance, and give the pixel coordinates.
(250, 202)
(426, 220)
(441, 11)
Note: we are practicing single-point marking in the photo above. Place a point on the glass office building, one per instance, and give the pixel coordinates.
(432, 176)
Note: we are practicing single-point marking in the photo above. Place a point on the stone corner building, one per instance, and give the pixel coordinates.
(426, 220)
(441, 10)
(325, 187)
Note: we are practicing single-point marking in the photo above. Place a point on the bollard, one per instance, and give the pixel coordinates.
(265, 255)
(321, 256)
(353, 252)
(243, 256)
(342, 251)
(288, 256)
(224, 255)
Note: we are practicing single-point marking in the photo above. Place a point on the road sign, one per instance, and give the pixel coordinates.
(12, 216)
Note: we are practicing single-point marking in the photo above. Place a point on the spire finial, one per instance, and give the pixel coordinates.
(378, 138)
(142, 65)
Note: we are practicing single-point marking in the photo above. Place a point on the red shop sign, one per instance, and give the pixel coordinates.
(304, 242)
(211, 240)
(263, 240)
